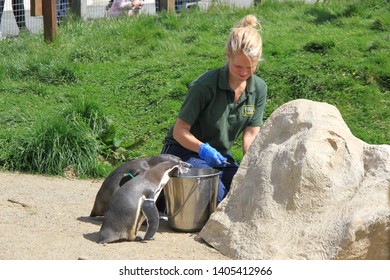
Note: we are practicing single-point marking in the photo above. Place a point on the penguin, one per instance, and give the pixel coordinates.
(120, 176)
(136, 200)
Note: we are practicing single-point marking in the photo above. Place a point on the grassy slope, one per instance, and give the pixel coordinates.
(138, 69)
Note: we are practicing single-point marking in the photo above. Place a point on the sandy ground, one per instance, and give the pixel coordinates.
(47, 218)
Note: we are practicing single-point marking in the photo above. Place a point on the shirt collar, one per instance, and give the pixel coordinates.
(223, 81)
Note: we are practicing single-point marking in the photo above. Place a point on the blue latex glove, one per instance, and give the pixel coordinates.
(211, 156)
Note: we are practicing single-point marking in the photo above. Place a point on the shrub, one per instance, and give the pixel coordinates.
(54, 145)
(71, 140)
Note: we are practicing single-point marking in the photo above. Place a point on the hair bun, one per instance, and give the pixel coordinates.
(249, 20)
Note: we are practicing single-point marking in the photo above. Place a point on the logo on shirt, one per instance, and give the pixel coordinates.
(248, 110)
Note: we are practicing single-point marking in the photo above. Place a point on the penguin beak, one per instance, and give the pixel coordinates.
(184, 167)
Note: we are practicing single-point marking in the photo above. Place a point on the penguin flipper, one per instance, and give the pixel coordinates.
(149, 209)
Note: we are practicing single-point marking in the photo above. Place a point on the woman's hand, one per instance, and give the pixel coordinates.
(211, 156)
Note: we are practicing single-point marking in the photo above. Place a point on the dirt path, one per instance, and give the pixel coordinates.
(47, 218)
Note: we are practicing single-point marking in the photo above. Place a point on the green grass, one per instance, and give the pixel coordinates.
(107, 91)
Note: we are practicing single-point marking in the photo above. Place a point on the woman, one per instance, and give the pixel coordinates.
(124, 7)
(220, 105)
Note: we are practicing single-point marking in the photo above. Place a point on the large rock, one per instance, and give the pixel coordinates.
(306, 189)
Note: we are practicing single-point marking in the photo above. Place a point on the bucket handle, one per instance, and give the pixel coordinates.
(193, 188)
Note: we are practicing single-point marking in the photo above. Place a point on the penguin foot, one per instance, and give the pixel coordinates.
(140, 239)
(146, 239)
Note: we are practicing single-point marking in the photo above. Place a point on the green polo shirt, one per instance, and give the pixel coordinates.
(214, 117)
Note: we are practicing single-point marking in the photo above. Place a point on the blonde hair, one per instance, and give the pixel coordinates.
(245, 38)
